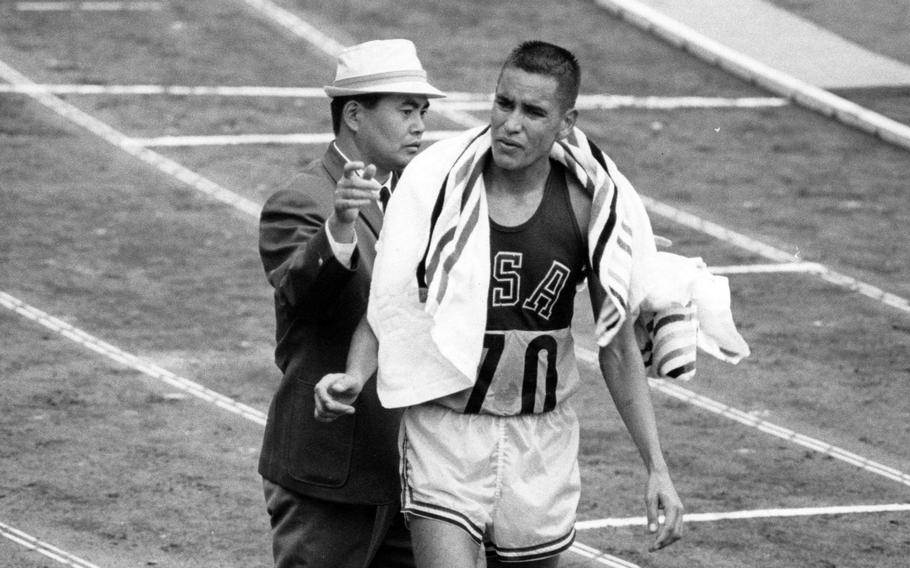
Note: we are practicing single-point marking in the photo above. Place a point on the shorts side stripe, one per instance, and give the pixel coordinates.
(443, 514)
(403, 470)
(537, 552)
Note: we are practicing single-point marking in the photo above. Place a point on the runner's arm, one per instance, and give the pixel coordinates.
(624, 374)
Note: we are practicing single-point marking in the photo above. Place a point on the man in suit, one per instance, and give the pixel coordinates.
(332, 490)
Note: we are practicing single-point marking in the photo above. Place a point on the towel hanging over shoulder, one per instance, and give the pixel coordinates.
(436, 233)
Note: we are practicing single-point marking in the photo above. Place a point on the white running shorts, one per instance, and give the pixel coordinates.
(511, 482)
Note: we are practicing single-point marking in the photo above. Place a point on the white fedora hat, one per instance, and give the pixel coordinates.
(381, 66)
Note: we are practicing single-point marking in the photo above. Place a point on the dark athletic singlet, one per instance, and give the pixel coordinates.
(528, 364)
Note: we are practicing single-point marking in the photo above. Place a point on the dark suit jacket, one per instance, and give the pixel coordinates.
(318, 303)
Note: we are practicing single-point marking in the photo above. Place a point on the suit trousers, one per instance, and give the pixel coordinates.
(314, 533)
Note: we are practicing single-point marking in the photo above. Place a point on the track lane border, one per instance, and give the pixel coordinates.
(121, 141)
(809, 96)
(118, 355)
(43, 548)
(750, 515)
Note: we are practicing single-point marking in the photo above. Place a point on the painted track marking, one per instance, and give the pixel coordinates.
(115, 354)
(297, 26)
(613, 102)
(599, 557)
(122, 142)
(330, 47)
(172, 90)
(458, 101)
(43, 548)
(706, 49)
(753, 514)
(798, 267)
(787, 434)
(670, 389)
(88, 6)
(243, 139)
(772, 253)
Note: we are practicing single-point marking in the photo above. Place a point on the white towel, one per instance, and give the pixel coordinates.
(667, 336)
(436, 230)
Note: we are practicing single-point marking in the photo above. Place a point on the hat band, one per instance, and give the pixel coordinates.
(372, 79)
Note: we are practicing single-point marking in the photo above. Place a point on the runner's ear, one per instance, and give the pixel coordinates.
(568, 123)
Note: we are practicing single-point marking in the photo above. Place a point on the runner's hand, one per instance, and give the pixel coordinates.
(660, 494)
(335, 395)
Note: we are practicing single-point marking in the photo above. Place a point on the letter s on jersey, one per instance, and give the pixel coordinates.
(507, 287)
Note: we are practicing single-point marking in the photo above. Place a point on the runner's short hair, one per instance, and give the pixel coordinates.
(544, 58)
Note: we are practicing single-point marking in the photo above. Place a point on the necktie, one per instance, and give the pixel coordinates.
(384, 194)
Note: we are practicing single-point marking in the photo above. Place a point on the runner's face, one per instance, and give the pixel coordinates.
(389, 134)
(527, 119)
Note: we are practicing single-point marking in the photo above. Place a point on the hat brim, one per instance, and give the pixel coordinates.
(402, 88)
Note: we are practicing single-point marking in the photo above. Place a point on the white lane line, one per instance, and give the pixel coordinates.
(599, 557)
(297, 26)
(177, 90)
(680, 217)
(772, 253)
(87, 6)
(43, 548)
(865, 289)
(122, 142)
(115, 354)
(800, 267)
(623, 101)
(753, 421)
(331, 48)
(824, 102)
(232, 140)
(612, 102)
(243, 139)
(673, 390)
(747, 515)
(456, 101)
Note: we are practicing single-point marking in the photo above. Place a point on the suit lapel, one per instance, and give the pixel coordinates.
(372, 216)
